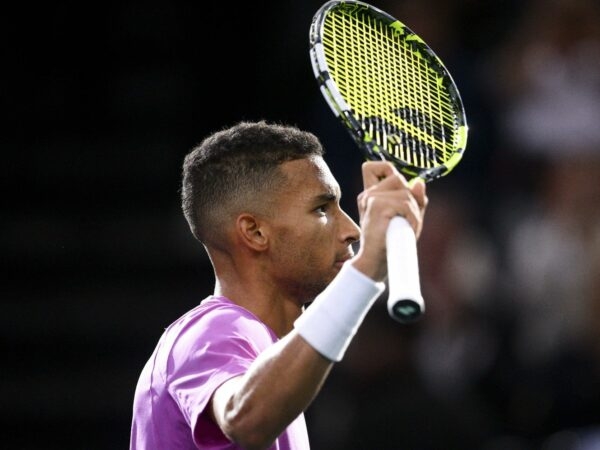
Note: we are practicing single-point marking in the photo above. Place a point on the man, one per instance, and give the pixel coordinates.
(238, 370)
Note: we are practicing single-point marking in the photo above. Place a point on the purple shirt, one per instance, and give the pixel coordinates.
(208, 345)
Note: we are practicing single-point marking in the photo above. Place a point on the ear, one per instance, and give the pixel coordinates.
(252, 232)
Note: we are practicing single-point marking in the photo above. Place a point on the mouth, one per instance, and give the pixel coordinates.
(340, 261)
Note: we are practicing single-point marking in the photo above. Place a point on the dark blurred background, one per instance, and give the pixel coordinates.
(102, 101)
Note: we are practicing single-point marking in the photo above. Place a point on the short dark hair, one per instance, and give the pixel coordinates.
(229, 170)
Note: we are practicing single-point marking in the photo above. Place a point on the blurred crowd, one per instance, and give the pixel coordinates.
(508, 354)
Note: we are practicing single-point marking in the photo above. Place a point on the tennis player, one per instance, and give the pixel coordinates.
(238, 370)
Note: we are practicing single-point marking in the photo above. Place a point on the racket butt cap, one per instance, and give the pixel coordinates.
(405, 310)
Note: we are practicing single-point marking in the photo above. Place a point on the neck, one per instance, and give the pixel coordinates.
(260, 296)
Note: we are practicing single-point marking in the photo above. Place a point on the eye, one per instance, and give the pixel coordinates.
(322, 209)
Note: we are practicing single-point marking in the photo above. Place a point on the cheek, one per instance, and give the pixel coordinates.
(316, 234)
(305, 245)
(295, 244)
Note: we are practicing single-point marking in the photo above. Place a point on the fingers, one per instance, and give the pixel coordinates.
(419, 192)
(386, 204)
(387, 194)
(373, 172)
(387, 188)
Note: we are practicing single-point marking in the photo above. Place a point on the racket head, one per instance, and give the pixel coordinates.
(389, 89)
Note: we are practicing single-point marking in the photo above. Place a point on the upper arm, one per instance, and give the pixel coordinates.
(220, 401)
(254, 408)
(213, 351)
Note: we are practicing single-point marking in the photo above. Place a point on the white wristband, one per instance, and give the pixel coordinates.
(332, 320)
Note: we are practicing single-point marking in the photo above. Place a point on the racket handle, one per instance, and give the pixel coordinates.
(405, 303)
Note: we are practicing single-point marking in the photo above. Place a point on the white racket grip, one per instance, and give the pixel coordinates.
(405, 303)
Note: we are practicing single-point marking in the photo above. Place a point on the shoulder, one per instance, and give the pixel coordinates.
(219, 324)
(218, 315)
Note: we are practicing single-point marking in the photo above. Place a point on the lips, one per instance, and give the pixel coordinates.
(339, 262)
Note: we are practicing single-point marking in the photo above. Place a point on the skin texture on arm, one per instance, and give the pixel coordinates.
(253, 409)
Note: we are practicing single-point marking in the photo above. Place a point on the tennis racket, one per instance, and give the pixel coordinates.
(400, 104)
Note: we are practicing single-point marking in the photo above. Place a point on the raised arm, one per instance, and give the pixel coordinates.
(255, 408)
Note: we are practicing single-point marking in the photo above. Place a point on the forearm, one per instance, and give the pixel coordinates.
(254, 409)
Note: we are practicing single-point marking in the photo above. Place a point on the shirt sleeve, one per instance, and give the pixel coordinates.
(209, 351)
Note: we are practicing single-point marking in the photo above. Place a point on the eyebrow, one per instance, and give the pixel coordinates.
(326, 197)
(329, 196)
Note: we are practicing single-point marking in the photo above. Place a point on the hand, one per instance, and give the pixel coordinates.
(386, 194)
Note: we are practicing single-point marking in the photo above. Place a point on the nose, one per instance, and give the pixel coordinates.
(349, 230)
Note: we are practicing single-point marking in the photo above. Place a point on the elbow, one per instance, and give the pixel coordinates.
(253, 441)
(248, 430)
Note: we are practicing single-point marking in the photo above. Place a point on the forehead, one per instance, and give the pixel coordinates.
(309, 177)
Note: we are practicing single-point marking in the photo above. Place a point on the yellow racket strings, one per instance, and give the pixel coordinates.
(395, 93)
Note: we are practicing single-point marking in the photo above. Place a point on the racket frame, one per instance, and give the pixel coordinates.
(341, 109)
(405, 302)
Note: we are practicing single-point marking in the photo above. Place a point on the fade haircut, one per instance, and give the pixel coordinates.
(232, 170)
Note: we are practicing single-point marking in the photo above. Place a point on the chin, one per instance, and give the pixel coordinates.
(334, 273)
(312, 290)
